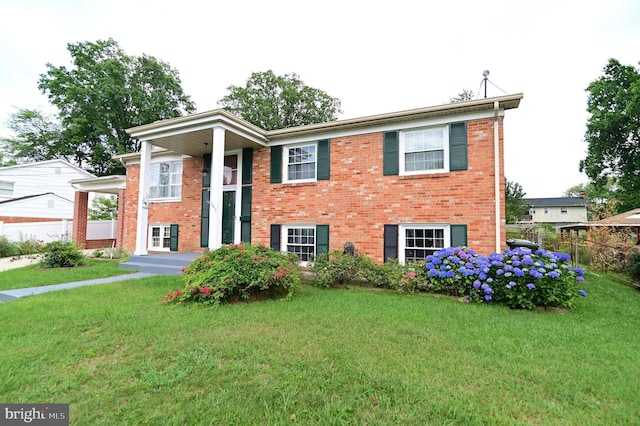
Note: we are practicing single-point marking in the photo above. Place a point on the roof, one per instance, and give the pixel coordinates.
(630, 218)
(191, 134)
(557, 202)
(40, 163)
(26, 197)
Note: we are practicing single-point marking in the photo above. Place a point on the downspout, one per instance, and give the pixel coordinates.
(496, 157)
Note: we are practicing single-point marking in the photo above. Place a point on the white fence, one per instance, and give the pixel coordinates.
(58, 230)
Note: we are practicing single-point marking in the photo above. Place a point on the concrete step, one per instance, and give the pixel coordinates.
(160, 263)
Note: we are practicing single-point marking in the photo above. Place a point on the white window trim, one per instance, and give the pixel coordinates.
(150, 246)
(285, 232)
(285, 163)
(169, 160)
(404, 226)
(445, 143)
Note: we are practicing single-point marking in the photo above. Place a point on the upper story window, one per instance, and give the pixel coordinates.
(166, 180)
(424, 150)
(300, 162)
(563, 210)
(6, 189)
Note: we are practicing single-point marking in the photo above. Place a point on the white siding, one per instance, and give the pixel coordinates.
(574, 214)
(47, 206)
(38, 178)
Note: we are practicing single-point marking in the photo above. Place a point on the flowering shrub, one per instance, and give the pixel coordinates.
(517, 277)
(242, 270)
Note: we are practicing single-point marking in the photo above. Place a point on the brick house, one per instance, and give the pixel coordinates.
(397, 185)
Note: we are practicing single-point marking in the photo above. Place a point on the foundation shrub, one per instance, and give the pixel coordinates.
(58, 254)
(238, 271)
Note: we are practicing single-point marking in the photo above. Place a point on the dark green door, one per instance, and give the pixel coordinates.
(228, 216)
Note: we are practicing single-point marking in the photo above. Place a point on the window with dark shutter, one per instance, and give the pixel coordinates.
(458, 156)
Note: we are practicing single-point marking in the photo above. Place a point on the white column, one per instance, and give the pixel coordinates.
(217, 179)
(142, 224)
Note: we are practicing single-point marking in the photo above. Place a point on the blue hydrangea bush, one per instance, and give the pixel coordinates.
(518, 278)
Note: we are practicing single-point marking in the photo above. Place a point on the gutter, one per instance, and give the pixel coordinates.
(496, 157)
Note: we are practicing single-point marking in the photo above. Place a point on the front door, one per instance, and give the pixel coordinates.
(231, 187)
(228, 216)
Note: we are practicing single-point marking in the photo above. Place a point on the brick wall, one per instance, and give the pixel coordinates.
(185, 213)
(356, 202)
(13, 219)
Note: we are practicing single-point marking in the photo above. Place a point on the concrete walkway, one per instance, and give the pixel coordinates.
(6, 295)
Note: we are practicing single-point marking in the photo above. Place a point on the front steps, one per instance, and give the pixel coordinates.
(160, 263)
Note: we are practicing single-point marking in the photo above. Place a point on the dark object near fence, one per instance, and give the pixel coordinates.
(349, 248)
(513, 243)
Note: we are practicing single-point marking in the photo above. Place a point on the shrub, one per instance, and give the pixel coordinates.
(633, 260)
(517, 278)
(242, 271)
(335, 267)
(30, 246)
(58, 254)
(7, 248)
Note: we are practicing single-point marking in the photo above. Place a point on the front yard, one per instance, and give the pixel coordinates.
(117, 355)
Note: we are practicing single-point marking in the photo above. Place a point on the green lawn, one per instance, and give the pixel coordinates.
(34, 276)
(119, 356)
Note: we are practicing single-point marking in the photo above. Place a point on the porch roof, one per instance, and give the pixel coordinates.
(104, 184)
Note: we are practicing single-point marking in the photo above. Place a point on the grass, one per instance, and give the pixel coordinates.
(34, 276)
(330, 357)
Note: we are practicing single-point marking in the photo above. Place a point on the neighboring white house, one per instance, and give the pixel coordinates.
(556, 211)
(39, 178)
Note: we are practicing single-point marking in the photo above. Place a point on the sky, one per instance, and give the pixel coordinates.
(375, 56)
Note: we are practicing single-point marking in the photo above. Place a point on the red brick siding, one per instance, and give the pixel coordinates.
(13, 219)
(80, 212)
(185, 213)
(358, 200)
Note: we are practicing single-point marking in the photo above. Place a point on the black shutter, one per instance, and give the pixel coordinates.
(276, 164)
(390, 242)
(322, 239)
(206, 172)
(324, 161)
(173, 237)
(458, 235)
(247, 166)
(204, 219)
(245, 214)
(275, 237)
(391, 154)
(458, 156)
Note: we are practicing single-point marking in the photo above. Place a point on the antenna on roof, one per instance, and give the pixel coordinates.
(485, 74)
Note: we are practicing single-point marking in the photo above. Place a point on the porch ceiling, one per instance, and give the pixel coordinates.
(198, 142)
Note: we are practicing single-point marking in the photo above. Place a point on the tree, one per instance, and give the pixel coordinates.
(106, 92)
(515, 204)
(278, 102)
(38, 138)
(103, 208)
(465, 95)
(613, 133)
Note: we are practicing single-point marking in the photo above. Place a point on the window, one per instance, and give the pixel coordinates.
(419, 241)
(166, 180)
(301, 240)
(6, 189)
(424, 150)
(546, 210)
(300, 162)
(563, 210)
(160, 237)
